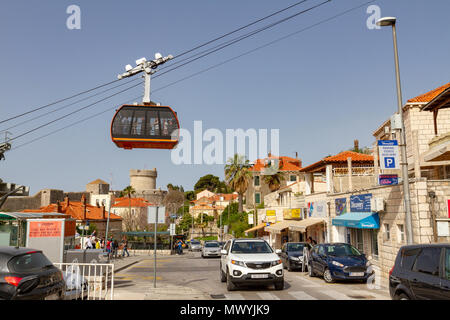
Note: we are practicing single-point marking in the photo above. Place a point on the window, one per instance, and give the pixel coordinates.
(447, 264)
(256, 181)
(408, 257)
(374, 242)
(258, 198)
(227, 246)
(30, 262)
(428, 261)
(401, 233)
(292, 178)
(321, 250)
(387, 232)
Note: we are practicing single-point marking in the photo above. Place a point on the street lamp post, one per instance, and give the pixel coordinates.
(384, 22)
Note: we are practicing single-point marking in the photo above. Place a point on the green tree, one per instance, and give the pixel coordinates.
(238, 176)
(236, 220)
(189, 195)
(274, 180)
(185, 224)
(127, 192)
(209, 182)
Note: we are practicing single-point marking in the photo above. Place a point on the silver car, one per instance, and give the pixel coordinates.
(211, 249)
(195, 245)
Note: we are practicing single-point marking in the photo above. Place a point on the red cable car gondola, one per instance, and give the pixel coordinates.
(145, 126)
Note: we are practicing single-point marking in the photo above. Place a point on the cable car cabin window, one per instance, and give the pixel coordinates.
(168, 123)
(122, 123)
(137, 128)
(153, 123)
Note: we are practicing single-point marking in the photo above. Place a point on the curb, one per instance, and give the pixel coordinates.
(125, 266)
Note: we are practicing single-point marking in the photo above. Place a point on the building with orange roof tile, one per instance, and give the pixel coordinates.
(258, 188)
(133, 212)
(84, 213)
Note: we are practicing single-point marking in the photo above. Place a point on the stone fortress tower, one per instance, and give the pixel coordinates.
(144, 182)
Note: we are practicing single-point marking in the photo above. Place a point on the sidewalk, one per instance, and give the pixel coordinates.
(122, 263)
(173, 292)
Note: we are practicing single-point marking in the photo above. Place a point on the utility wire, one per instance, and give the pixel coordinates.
(70, 104)
(58, 101)
(219, 64)
(238, 29)
(72, 124)
(238, 39)
(177, 56)
(73, 112)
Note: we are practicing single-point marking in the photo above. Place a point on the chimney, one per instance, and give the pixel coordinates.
(269, 154)
(356, 144)
(58, 207)
(104, 212)
(296, 155)
(66, 201)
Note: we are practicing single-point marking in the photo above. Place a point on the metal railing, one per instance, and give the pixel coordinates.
(356, 171)
(88, 281)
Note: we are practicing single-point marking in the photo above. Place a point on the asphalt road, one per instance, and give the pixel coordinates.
(193, 272)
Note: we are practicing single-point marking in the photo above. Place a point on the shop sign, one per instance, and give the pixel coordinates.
(341, 206)
(250, 218)
(44, 229)
(292, 213)
(387, 179)
(270, 213)
(317, 209)
(271, 219)
(360, 203)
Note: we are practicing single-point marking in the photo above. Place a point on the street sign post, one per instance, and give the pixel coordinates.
(172, 229)
(389, 156)
(155, 215)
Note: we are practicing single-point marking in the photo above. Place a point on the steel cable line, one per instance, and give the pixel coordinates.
(69, 105)
(72, 124)
(224, 62)
(73, 112)
(238, 29)
(238, 39)
(179, 55)
(58, 101)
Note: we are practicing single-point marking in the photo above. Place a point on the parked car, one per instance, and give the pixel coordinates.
(338, 261)
(292, 254)
(421, 272)
(221, 244)
(27, 274)
(211, 249)
(195, 245)
(250, 261)
(76, 285)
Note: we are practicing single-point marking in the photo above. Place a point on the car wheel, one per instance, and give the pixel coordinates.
(230, 285)
(279, 285)
(327, 276)
(402, 296)
(310, 271)
(223, 276)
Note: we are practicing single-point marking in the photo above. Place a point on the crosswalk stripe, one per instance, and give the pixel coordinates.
(234, 296)
(267, 296)
(310, 284)
(301, 295)
(336, 295)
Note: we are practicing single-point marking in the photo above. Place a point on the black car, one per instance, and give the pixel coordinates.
(338, 261)
(421, 272)
(27, 274)
(292, 254)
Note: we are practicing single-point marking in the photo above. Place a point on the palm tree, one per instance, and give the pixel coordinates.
(274, 180)
(128, 191)
(238, 176)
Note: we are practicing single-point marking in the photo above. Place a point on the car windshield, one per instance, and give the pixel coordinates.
(251, 247)
(195, 242)
(211, 245)
(294, 247)
(342, 250)
(30, 262)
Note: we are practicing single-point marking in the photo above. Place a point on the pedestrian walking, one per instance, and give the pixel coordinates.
(180, 247)
(108, 248)
(116, 248)
(97, 244)
(125, 247)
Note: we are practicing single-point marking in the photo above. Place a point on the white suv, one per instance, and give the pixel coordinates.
(250, 261)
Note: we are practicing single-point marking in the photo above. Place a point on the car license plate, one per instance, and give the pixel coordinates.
(356, 274)
(54, 296)
(260, 276)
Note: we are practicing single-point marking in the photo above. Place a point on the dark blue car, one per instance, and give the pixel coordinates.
(338, 261)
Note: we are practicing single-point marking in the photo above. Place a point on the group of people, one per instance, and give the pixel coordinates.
(111, 245)
(178, 246)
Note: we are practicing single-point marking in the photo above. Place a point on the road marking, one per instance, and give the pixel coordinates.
(336, 295)
(301, 295)
(310, 283)
(234, 296)
(267, 296)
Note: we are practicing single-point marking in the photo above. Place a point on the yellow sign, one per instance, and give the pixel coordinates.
(292, 213)
(270, 213)
(271, 219)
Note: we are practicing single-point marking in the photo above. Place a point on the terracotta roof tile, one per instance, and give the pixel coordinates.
(98, 181)
(135, 202)
(285, 163)
(427, 97)
(340, 158)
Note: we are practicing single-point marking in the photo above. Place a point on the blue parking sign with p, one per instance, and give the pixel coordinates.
(389, 162)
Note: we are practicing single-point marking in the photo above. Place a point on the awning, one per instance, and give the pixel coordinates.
(303, 224)
(259, 226)
(358, 220)
(438, 153)
(277, 227)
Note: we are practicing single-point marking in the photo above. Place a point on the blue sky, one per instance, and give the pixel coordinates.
(322, 88)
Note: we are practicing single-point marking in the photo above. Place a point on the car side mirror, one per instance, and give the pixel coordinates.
(223, 252)
(278, 251)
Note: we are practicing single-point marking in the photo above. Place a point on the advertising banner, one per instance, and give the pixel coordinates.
(250, 218)
(291, 214)
(360, 203)
(44, 229)
(46, 235)
(387, 179)
(341, 206)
